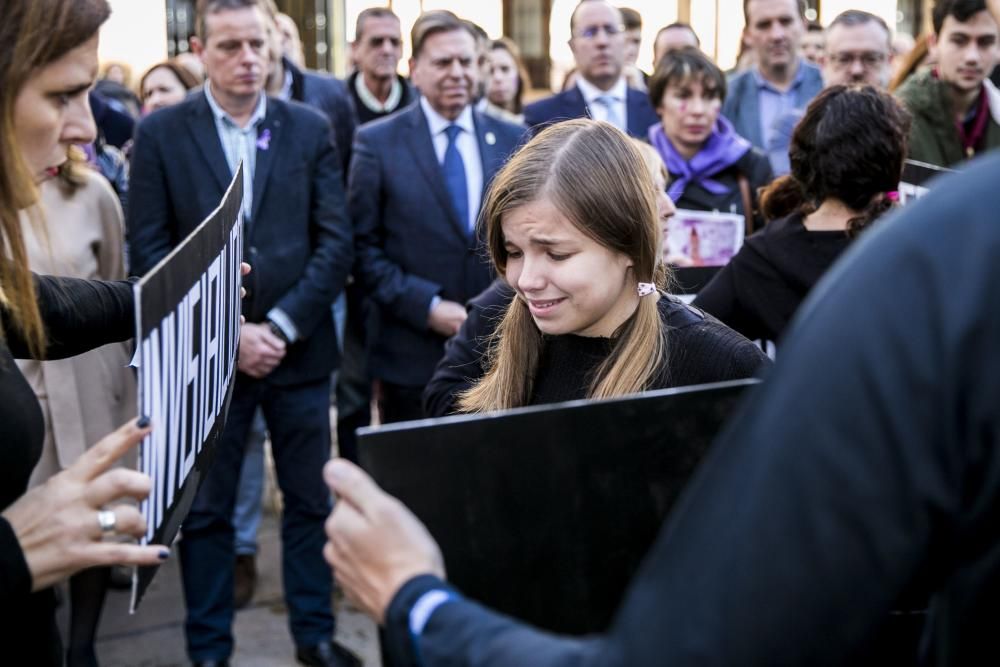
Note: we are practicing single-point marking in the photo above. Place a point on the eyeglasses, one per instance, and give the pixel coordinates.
(610, 29)
(376, 42)
(868, 59)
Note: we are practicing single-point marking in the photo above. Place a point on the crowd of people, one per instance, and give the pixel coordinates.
(456, 241)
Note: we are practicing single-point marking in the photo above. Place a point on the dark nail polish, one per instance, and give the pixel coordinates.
(143, 422)
(163, 555)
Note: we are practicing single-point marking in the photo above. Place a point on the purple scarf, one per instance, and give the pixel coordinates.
(722, 149)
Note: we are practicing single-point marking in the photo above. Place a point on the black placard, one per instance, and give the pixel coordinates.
(188, 323)
(545, 513)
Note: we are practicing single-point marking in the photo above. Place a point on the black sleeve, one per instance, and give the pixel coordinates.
(462, 633)
(15, 577)
(324, 275)
(464, 353)
(723, 296)
(148, 221)
(78, 315)
(709, 351)
(719, 297)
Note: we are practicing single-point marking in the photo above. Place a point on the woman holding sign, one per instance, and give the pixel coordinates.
(712, 168)
(847, 156)
(48, 62)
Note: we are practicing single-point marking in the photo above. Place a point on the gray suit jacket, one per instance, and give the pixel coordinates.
(743, 110)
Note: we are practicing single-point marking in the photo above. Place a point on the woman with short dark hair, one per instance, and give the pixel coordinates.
(712, 168)
(847, 156)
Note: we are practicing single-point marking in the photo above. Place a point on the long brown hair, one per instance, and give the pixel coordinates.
(33, 33)
(594, 176)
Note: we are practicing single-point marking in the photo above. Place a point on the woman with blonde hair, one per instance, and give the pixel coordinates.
(464, 360)
(571, 224)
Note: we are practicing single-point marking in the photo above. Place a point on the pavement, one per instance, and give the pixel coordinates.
(154, 635)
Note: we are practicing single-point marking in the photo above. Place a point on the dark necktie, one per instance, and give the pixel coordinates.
(454, 176)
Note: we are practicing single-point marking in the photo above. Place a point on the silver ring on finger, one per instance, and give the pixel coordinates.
(107, 520)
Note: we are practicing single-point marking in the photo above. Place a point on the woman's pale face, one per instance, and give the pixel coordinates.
(161, 88)
(665, 208)
(52, 111)
(688, 112)
(571, 283)
(502, 87)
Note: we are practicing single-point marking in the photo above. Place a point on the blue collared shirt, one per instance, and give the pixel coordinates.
(239, 143)
(774, 104)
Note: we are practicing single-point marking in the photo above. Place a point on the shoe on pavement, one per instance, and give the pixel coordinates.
(244, 580)
(327, 654)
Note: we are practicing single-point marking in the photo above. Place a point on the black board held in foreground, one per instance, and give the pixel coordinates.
(546, 512)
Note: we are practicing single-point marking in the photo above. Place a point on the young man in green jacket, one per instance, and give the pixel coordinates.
(955, 107)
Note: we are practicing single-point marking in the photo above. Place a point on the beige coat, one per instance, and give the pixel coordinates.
(85, 397)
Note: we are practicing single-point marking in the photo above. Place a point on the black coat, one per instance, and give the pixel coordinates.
(298, 240)
(760, 289)
(411, 245)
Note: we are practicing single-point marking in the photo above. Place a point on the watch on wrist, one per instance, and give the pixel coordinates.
(276, 330)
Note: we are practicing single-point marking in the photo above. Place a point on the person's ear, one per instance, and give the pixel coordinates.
(932, 45)
(197, 46)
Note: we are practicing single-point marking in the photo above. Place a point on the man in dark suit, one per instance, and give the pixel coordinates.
(298, 240)
(327, 95)
(417, 180)
(323, 92)
(601, 91)
(376, 88)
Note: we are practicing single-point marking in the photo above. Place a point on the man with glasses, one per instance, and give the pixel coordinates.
(858, 52)
(601, 91)
(955, 107)
(780, 82)
(375, 86)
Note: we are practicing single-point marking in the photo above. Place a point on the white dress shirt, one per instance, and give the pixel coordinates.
(598, 111)
(468, 148)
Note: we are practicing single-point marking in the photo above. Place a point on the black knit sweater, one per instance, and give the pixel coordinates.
(700, 349)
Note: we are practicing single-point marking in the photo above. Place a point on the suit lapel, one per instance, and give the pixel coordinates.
(574, 106)
(267, 152)
(751, 103)
(634, 117)
(489, 153)
(421, 146)
(202, 125)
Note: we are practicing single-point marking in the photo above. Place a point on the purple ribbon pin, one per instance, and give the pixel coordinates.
(264, 140)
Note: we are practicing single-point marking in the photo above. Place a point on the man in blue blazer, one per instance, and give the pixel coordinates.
(298, 240)
(322, 92)
(601, 91)
(417, 180)
(780, 82)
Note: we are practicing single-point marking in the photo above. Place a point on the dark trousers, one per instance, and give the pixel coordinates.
(399, 403)
(299, 423)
